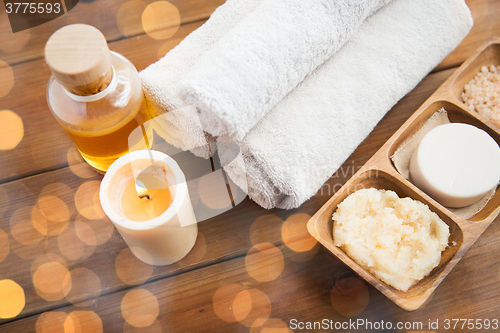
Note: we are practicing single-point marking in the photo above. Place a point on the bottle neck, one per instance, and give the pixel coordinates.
(94, 91)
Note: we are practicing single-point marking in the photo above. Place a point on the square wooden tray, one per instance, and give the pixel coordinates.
(379, 172)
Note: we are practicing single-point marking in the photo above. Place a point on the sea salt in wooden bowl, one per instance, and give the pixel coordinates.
(380, 172)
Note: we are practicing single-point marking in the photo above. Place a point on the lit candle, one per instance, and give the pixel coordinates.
(145, 195)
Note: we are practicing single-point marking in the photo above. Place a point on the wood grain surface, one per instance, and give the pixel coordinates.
(249, 264)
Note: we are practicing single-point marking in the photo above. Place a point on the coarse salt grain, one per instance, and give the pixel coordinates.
(482, 94)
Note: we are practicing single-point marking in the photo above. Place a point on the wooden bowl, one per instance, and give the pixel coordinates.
(379, 172)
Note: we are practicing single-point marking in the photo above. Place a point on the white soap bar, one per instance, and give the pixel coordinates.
(456, 164)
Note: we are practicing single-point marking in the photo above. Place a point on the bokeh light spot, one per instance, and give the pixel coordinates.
(86, 287)
(272, 325)
(4, 245)
(102, 230)
(22, 228)
(78, 165)
(130, 269)
(252, 307)
(62, 192)
(155, 327)
(265, 229)
(161, 20)
(295, 234)
(140, 308)
(213, 190)
(11, 126)
(87, 200)
(51, 277)
(264, 262)
(30, 251)
(223, 301)
(129, 17)
(83, 322)
(51, 322)
(72, 246)
(350, 296)
(85, 233)
(54, 209)
(12, 299)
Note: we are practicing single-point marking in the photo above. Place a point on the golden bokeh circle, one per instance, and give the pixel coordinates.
(72, 246)
(264, 262)
(265, 229)
(131, 270)
(83, 322)
(349, 296)
(86, 287)
(12, 299)
(87, 200)
(51, 277)
(51, 322)
(30, 251)
(22, 229)
(252, 307)
(11, 126)
(54, 209)
(61, 191)
(78, 165)
(295, 234)
(140, 308)
(129, 17)
(93, 232)
(213, 191)
(161, 20)
(85, 233)
(4, 245)
(223, 301)
(6, 78)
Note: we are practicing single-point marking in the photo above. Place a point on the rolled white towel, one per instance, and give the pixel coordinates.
(176, 121)
(293, 151)
(257, 63)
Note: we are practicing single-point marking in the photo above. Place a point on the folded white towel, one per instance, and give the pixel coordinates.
(264, 57)
(307, 136)
(179, 124)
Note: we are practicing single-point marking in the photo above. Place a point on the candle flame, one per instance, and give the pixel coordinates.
(141, 189)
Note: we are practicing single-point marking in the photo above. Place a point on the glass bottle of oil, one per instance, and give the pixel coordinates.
(95, 94)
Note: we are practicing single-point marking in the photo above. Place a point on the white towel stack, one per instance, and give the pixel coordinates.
(256, 64)
(310, 132)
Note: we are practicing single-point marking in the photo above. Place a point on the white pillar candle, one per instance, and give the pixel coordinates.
(456, 164)
(158, 223)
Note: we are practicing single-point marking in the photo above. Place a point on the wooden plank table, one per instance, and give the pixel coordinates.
(248, 265)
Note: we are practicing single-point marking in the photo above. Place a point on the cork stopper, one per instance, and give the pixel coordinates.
(79, 58)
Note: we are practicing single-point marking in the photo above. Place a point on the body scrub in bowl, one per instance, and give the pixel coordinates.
(398, 240)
